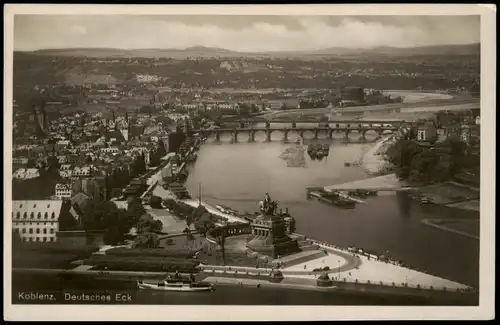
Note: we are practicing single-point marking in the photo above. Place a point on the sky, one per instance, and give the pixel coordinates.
(240, 33)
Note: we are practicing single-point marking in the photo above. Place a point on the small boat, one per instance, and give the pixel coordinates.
(175, 285)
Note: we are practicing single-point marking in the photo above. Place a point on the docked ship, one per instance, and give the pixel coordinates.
(175, 283)
(362, 193)
(333, 198)
(318, 151)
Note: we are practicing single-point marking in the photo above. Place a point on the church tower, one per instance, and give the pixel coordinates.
(125, 128)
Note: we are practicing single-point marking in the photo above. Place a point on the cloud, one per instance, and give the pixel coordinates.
(242, 33)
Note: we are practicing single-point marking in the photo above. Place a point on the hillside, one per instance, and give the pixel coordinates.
(201, 51)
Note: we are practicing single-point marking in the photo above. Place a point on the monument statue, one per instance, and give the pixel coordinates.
(269, 235)
(268, 206)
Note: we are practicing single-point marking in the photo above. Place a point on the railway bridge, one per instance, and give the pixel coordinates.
(329, 131)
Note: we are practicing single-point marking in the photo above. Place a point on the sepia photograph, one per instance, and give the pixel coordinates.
(203, 157)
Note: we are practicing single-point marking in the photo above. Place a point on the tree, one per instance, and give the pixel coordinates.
(135, 211)
(67, 222)
(189, 220)
(116, 192)
(148, 224)
(169, 204)
(146, 240)
(198, 212)
(155, 202)
(113, 236)
(221, 240)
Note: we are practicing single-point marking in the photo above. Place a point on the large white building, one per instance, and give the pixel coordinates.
(36, 220)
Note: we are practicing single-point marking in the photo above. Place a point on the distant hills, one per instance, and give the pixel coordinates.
(202, 51)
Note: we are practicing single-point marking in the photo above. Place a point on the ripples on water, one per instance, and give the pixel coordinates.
(238, 175)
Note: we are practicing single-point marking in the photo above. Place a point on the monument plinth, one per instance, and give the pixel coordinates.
(268, 232)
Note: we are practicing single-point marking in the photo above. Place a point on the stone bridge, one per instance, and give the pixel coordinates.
(329, 131)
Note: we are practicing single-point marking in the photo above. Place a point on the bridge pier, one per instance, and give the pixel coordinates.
(301, 134)
(268, 135)
(285, 136)
(346, 135)
(234, 136)
(251, 136)
(316, 131)
(268, 125)
(217, 136)
(363, 135)
(330, 134)
(379, 133)
(242, 125)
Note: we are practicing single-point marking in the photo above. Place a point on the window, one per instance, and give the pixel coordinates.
(37, 230)
(52, 230)
(18, 214)
(32, 215)
(20, 206)
(39, 215)
(44, 239)
(23, 230)
(46, 215)
(25, 215)
(31, 230)
(44, 230)
(34, 205)
(53, 215)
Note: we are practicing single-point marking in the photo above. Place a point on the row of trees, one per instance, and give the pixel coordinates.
(202, 220)
(116, 223)
(430, 164)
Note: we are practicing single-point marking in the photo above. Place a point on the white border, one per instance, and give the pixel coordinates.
(202, 313)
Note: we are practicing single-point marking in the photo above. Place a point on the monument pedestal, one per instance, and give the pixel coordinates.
(269, 237)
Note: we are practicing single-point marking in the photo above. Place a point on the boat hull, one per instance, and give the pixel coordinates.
(183, 288)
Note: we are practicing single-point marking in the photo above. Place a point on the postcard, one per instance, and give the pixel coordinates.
(249, 162)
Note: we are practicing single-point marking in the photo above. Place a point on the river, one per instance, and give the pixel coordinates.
(238, 175)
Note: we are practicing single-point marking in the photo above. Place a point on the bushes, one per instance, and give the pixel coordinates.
(147, 264)
(150, 252)
(54, 248)
(155, 202)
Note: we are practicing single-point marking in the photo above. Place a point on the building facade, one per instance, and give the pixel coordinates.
(37, 221)
(63, 191)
